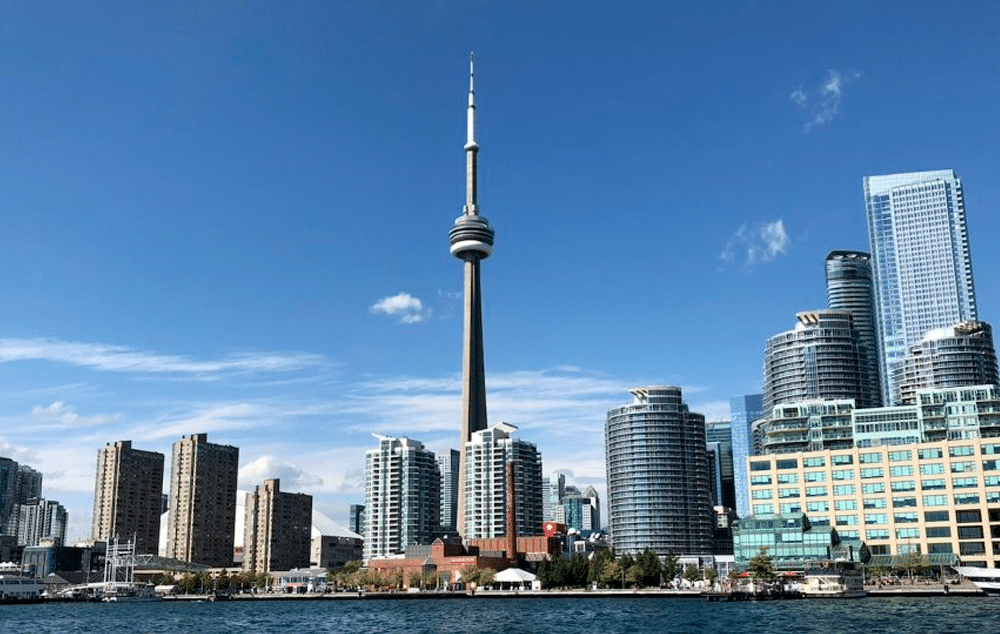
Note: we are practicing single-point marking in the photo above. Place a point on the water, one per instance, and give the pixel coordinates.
(938, 615)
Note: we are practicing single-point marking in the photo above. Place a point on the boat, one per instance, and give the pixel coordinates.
(986, 579)
(18, 589)
(838, 579)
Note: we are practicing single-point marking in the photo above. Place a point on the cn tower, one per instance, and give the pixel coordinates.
(471, 242)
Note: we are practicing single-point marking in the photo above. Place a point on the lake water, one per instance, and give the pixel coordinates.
(940, 615)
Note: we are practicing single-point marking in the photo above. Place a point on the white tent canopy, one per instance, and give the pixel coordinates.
(514, 575)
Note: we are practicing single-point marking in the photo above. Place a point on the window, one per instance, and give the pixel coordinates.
(763, 509)
(930, 453)
(874, 503)
(760, 479)
(819, 520)
(933, 484)
(816, 476)
(935, 500)
(991, 465)
(971, 548)
(970, 532)
(898, 502)
(904, 485)
(791, 508)
(870, 458)
(989, 450)
(761, 494)
(936, 516)
(876, 518)
(877, 533)
(905, 518)
(819, 461)
(760, 466)
(789, 492)
(877, 487)
(991, 481)
(817, 506)
(900, 471)
(787, 464)
(812, 492)
(900, 456)
(788, 478)
(969, 517)
(872, 472)
(964, 450)
(845, 505)
(847, 520)
(907, 533)
(942, 548)
(965, 483)
(963, 467)
(841, 460)
(843, 474)
(843, 489)
(966, 498)
(931, 468)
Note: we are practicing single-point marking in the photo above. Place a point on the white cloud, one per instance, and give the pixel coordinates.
(822, 103)
(757, 244)
(16, 453)
(406, 308)
(116, 358)
(266, 467)
(63, 414)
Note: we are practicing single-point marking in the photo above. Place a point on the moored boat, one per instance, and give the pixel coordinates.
(833, 579)
(986, 579)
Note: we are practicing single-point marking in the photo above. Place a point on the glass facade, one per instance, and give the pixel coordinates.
(792, 541)
(921, 263)
(743, 411)
(849, 287)
(955, 356)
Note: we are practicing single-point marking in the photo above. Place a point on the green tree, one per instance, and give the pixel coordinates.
(261, 580)
(470, 575)
(692, 574)
(613, 575)
(914, 565)
(486, 577)
(578, 571)
(670, 566)
(761, 566)
(711, 574)
(416, 579)
(647, 569)
(596, 566)
(223, 581)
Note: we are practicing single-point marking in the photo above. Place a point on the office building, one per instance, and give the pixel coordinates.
(357, 519)
(128, 494)
(40, 519)
(580, 511)
(721, 433)
(486, 484)
(553, 490)
(277, 529)
(658, 491)
(957, 356)
(792, 542)
(921, 263)
(743, 411)
(940, 499)
(448, 466)
(201, 523)
(818, 359)
(402, 497)
(471, 241)
(849, 287)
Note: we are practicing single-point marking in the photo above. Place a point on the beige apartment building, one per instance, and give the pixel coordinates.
(936, 498)
(202, 508)
(128, 494)
(277, 530)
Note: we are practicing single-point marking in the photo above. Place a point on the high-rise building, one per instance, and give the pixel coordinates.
(8, 492)
(958, 356)
(201, 523)
(658, 492)
(580, 511)
(721, 432)
(487, 456)
(921, 263)
(19, 484)
(849, 287)
(277, 531)
(743, 411)
(471, 241)
(553, 490)
(40, 519)
(128, 493)
(357, 519)
(402, 497)
(816, 360)
(448, 466)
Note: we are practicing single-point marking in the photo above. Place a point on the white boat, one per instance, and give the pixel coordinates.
(833, 579)
(986, 579)
(128, 592)
(17, 588)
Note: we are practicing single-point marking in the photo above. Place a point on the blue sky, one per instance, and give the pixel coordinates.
(232, 218)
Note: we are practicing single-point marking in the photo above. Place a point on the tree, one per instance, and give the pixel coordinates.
(486, 577)
(612, 575)
(914, 564)
(761, 566)
(577, 571)
(223, 581)
(692, 574)
(596, 566)
(416, 579)
(470, 575)
(711, 574)
(670, 566)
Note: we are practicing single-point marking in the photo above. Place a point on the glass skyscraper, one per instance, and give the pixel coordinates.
(743, 411)
(921, 264)
(849, 287)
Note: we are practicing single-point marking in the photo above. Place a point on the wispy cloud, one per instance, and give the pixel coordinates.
(756, 244)
(16, 453)
(406, 308)
(61, 413)
(115, 358)
(822, 102)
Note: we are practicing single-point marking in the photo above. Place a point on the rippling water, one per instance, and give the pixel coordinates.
(940, 615)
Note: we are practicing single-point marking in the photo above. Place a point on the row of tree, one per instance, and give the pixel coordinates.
(206, 583)
(608, 571)
(353, 576)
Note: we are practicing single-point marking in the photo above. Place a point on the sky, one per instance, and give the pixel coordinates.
(232, 217)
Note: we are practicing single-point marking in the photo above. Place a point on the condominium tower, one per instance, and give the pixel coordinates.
(277, 530)
(128, 494)
(743, 411)
(402, 497)
(201, 525)
(956, 356)
(471, 241)
(849, 287)
(658, 490)
(921, 263)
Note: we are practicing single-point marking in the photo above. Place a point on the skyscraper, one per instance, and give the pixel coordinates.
(201, 524)
(658, 491)
(277, 531)
(19, 484)
(128, 494)
(553, 489)
(487, 455)
(743, 411)
(402, 497)
(959, 356)
(818, 359)
(471, 241)
(921, 263)
(849, 287)
(40, 519)
(448, 465)
(721, 433)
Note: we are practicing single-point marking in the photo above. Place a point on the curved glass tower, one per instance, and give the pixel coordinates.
(849, 287)
(657, 467)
